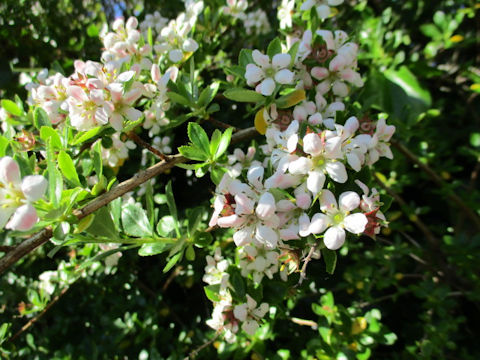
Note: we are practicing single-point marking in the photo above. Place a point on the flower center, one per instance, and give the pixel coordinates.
(338, 218)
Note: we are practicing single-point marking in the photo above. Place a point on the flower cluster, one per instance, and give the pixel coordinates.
(17, 196)
(303, 183)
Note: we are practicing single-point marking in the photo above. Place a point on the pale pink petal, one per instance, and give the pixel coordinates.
(9, 170)
(34, 187)
(24, 218)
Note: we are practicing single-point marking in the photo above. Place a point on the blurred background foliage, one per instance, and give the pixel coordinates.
(414, 293)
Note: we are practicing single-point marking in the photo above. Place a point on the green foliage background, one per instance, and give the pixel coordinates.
(419, 280)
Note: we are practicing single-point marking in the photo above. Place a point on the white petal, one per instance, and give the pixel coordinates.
(323, 11)
(334, 238)
(319, 223)
(348, 201)
(267, 236)
(240, 312)
(190, 45)
(355, 223)
(255, 175)
(34, 187)
(5, 214)
(261, 59)
(243, 236)
(250, 327)
(284, 76)
(267, 87)
(266, 206)
(340, 89)
(354, 161)
(304, 225)
(315, 181)
(336, 170)
(327, 201)
(300, 166)
(312, 144)
(281, 61)
(253, 74)
(175, 55)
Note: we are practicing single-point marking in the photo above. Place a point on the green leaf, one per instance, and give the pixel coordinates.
(166, 225)
(192, 153)
(3, 145)
(293, 52)
(173, 260)
(244, 58)
(84, 136)
(55, 183)
(224, 142)
(202, 239)
(92, 30)
(67, 167)
(238, 283)
(190, 253)
(216, 174)
(409, 83)
(135, 221)
(475, 139)
(330, 258)
(215, 141)
(243, 95)
(150, 36)
(208, 94)
(153, 248)
(194, 217)
(198, 137)
(11, 107)
(103, 225)
(47, 132)
(40, 118)
(97, 159)
(275, 47)
(212, 292)
(171, 206)
(179, 99)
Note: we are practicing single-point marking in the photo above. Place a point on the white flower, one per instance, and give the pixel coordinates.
(267, 73)
(322, 6)
(336, 218)
(250, 315)
(16, 196)
(285, 12)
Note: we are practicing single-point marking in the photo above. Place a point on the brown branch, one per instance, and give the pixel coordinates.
(439, 181)
(6, 248)
(44, 235)
(303, 274)
(195, 352)
(32, 321)
(137, 139)
(24, 248)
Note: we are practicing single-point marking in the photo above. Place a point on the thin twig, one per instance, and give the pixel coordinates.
(195, 352)
(304, 322)
(32, 321)
(137, 139)
(42, 236)
(439, 181)
(413, 218)
(303, 274)
(221, 124)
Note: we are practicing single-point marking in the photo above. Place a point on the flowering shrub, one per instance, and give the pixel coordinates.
(290, 171)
